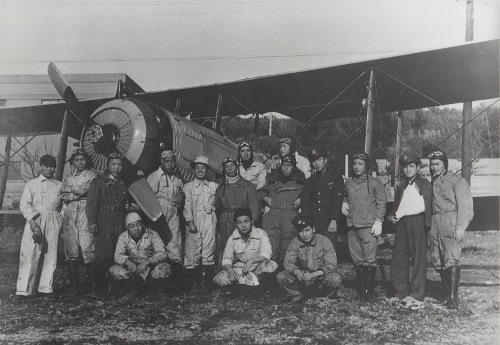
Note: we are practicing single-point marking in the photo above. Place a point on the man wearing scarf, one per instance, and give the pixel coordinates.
(364, 206)
(452, 211)
(232, 194)
(282, 195)
(411, 213)
(250, 170)
(288, 146)
(105, 209)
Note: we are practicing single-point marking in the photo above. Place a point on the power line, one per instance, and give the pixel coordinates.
(194, 58)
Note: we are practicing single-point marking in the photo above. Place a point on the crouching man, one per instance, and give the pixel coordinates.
(310, 263)
(140, 253)
(247, 254)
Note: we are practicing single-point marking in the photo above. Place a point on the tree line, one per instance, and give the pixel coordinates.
(422, 129)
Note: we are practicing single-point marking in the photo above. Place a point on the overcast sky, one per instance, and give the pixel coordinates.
(176, 43)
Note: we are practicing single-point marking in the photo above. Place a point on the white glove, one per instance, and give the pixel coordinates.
(345, 209)
(377, 228)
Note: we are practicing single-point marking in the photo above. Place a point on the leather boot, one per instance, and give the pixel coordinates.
(74, 276)
(445, 283)
(100, 279)
(193, 279)
(208, 277)
(360, 276)
(453, 299)
(91, 276)
(370, 272)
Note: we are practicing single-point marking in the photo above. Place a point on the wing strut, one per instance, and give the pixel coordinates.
(369, 114)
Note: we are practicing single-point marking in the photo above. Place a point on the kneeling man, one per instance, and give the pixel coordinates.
(140, 253)
(247, 254)
(310, 263)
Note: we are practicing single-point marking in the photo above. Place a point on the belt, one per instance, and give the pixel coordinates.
(231, 209)
(48, 210)
(113, 208)
(283, 208)
(445, 211)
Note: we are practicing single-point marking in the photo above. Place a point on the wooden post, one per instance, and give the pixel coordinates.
(369, 114)
(467, 107)
(4, 172)
(346, 166)
(63, 144)
(256, 131)
(177, 106)
(398, 145)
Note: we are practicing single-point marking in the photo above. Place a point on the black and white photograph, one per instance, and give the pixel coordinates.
(249, 172)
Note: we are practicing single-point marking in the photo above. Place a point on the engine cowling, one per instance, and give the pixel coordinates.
(128, 126)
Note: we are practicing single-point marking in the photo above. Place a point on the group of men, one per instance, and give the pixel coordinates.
(254, 228)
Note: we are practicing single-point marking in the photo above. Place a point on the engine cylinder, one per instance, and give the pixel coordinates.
(128, 126)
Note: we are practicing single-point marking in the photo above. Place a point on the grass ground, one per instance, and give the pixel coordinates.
(209, 318)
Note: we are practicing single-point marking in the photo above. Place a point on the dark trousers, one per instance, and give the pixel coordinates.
(410, 242)
(322, 286)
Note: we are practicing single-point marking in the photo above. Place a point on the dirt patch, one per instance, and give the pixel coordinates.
(189, 318)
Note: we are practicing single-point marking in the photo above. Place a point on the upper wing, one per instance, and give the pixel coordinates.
(450, 75)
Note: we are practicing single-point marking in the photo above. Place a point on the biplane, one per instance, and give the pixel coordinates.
(139, 125)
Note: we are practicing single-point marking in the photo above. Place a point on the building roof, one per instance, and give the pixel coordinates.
(86, 86)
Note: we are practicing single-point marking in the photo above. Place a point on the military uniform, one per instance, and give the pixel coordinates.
(228, 198)
(366, 198)
(452, 211)
(322, 199)
(106, 200)
(278, 221)
(366, 202)
(317, 255)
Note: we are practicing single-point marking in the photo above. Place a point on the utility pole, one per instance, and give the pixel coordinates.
(467, 107)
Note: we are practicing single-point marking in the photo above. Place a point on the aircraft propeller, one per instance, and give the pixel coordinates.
(136, 184)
